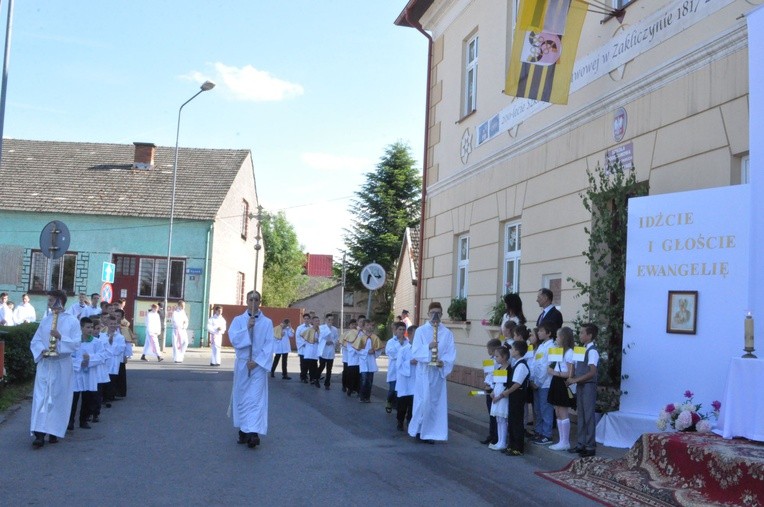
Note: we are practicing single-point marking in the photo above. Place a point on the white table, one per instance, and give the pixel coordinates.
(742, 412)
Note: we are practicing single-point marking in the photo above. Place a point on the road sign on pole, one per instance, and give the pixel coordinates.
(54, 240)
(107, 293)
(373, 276)
(107, 272)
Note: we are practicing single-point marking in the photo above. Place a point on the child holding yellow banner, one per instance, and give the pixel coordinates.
(500, 402)
(560, 395)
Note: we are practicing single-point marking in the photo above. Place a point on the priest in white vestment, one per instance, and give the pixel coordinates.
(52, 398)
(179, 332)
(430, 413)
(251, 334)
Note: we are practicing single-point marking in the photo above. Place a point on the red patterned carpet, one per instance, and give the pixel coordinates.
(694, 469)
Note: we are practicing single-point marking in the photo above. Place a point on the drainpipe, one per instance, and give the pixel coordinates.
(206, 285)
(425, 161)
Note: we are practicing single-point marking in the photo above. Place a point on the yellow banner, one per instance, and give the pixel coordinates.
(541, 62)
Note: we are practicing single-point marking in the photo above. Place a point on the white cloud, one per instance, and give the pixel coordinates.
(335, 163)
(249, 84)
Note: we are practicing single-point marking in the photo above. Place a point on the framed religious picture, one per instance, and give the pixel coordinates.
(682, 313)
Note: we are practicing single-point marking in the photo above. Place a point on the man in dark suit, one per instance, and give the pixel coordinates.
(549, 314)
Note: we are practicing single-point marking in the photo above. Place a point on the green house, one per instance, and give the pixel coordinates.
(115, 200)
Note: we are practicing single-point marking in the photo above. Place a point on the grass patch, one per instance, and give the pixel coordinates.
(12, 394)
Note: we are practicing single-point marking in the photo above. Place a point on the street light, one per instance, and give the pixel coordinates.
(206, 86)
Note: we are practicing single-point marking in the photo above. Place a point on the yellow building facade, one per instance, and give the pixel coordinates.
(666, 88)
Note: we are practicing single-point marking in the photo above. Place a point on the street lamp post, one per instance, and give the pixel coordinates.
(206, 86)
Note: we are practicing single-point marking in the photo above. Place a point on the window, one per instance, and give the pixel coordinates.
(462, 266)
(348, 299)
(470, 75)
(553, 282)
(512, 257)
(240, 288)
(745, 175)
(50, 274)
(153, 276)
(244, 218)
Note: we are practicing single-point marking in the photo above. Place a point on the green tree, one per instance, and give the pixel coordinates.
(284, 261)
(606, 198)
(388, 202)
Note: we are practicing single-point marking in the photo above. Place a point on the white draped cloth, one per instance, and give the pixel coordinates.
(391, 351)
(282, 336)
(114, 351)
(249, 398)
(153, 330)
(405, 378)
(24, 313)
(430, 412)
(216, 326)
(179, 335)
(52, 397)
(86, 379)
(326, 341)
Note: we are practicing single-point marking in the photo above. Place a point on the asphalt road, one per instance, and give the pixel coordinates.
(170, 443)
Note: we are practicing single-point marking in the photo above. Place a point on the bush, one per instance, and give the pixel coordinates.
(457, 310)
(19, 364)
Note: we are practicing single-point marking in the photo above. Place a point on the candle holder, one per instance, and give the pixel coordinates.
(749, 341)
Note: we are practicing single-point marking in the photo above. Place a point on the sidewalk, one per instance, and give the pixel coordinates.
(468, 415)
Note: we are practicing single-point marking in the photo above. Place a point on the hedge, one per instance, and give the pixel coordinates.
(19, 364)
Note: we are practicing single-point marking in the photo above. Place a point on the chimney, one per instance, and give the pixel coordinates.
(144, 156)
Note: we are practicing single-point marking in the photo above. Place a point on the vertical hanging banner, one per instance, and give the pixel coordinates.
(544, 49)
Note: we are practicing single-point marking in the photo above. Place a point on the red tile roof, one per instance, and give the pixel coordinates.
(318, 265)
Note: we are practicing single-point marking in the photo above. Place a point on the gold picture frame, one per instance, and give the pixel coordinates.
(682, 312)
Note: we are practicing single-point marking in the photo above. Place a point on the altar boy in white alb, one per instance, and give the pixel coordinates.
(251, 334)
(52, 397)
(430, 414)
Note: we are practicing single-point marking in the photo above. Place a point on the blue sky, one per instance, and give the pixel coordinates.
(316, 89)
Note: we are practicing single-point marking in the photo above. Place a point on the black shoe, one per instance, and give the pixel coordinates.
(108, 405)
(143, 358)
(587, 453)
(399, 427)
(242, 438)
(85, 426)
(327, 387)
(273, 374)
(160, 359)
(344, 389)
(286, 377)
(70, 427)
(39, 440)
(420, 440)
(304, 381)
(254, 440)
(349, 393)
(95, 419)
(576, 450)
(316, 383)
(53, 439)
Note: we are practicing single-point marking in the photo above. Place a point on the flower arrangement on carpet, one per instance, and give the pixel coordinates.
(686, 416)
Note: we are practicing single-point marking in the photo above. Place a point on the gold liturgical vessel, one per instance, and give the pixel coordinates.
(434, 361)
(52, 349)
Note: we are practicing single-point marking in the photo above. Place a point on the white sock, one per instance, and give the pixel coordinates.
(563, 426)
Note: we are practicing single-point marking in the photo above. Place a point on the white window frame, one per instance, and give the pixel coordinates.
(512, 251)
(58, 274)
(462, 266)
(241, 290)
(158, 275)
(244, 218)
(469, 98)
(745, 169)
